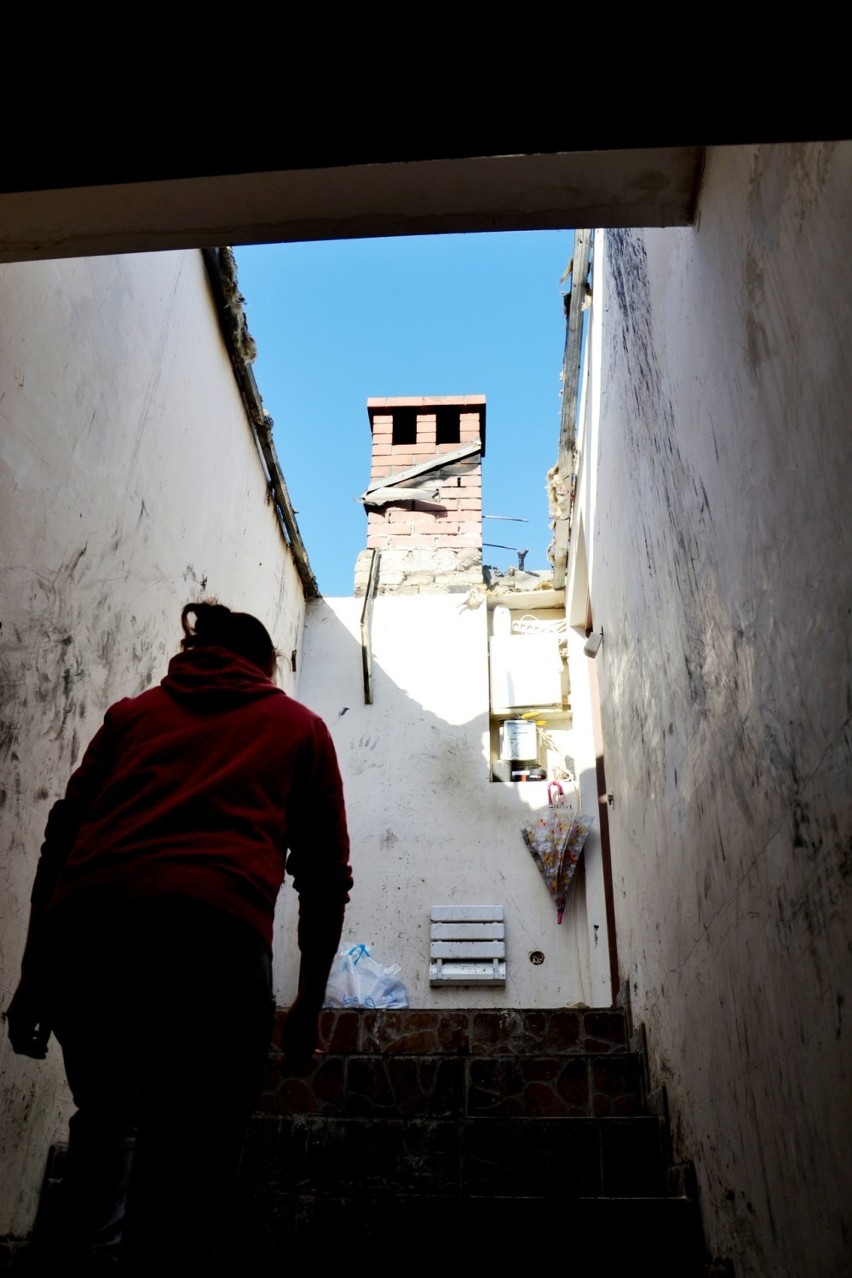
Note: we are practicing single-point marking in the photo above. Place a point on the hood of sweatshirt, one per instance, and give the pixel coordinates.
(210, 678)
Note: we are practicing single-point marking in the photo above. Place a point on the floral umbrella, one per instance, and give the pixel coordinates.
(555, 839)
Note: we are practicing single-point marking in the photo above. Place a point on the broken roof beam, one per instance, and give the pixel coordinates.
(384, 496)
(422, 468)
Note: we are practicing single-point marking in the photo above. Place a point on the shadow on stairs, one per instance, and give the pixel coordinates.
(455, 1133)
(447, 1131)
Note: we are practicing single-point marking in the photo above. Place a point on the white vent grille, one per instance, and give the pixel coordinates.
(467, 945)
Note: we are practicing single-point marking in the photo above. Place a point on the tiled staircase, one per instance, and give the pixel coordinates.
(468, 1136)
(463, 1137)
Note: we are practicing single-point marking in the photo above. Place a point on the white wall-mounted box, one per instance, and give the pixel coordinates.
(526, 670)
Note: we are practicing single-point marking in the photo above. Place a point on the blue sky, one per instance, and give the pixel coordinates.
(338, 322)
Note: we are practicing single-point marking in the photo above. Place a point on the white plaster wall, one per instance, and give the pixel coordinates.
(718, 540)
(428, 826)
(129, 484)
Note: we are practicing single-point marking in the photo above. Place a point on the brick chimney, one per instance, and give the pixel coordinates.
(424, 499)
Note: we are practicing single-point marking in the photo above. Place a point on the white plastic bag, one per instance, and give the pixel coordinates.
(357, 980)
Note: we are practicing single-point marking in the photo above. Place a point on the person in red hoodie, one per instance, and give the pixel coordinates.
(148, 953)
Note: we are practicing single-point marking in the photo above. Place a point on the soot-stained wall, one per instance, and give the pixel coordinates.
(130, 484)
(718, 539)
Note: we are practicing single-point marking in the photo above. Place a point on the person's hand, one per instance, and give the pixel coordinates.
(26, 1023)
(300, 1035)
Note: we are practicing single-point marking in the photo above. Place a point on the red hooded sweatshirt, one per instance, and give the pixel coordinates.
(198, 788)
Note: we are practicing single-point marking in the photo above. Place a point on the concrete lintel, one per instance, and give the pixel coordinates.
(641, 187)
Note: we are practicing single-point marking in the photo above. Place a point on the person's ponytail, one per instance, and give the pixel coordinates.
(214, 625)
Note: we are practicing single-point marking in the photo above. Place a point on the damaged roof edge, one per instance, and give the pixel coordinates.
(564, 473)
(222, 273)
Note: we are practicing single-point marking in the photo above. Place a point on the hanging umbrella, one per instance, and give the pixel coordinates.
(555, 839)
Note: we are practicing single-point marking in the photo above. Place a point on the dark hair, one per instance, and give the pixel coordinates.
(239, 632)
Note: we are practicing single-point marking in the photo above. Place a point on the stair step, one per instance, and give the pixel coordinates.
(605, 1234)
(545, 1086)
(470, 1031)
(448, 1129)
(568, 1156)
(564, 1062)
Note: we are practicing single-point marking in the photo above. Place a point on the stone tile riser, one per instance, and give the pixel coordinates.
(458, 1086)
(474, 1032)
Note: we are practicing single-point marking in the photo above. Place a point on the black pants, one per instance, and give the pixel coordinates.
(164, 1014)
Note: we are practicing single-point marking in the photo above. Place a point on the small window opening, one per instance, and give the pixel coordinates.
(447, 425)
(404, 426)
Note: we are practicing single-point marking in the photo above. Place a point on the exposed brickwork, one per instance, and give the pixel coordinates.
(449, 516)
